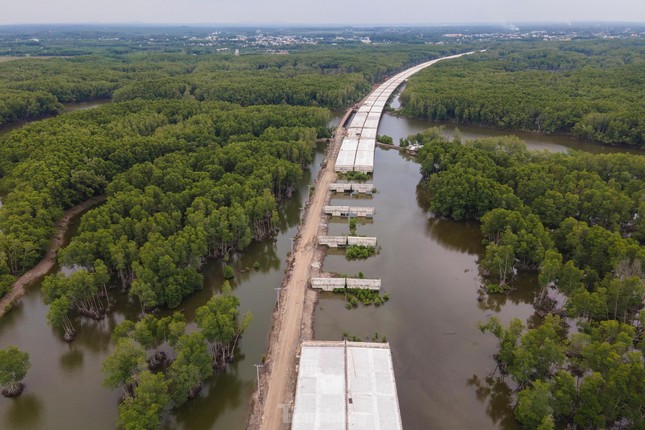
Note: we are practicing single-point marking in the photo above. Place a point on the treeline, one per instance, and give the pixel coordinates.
(254, 87)
(591, 89)
(591, 379)
(23, 105)
(577, 219)
(51, 165)
(326, 77)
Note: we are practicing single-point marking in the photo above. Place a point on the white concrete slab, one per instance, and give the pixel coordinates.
(372, 123)
(346, 385)
(368, 133)
(349, 144)
(359, 119)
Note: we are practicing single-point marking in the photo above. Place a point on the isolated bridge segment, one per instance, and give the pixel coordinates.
(346, 385)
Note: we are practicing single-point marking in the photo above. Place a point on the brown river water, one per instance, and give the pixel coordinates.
(428, 267)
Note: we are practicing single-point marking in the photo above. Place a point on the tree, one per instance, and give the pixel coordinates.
(123, 366)
(533, 405)
(14, 364)
(549, 271)
(192, 365)
(498, 262)
(228, 272)
(594, 379)
(220, 323)
(142, 411)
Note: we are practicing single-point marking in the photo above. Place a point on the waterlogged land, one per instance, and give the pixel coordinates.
(64, 385)
(428, 267)
(432, 284)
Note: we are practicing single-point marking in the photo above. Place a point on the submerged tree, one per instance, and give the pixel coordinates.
(84, 291)
(151, 333)
(191, 367)
(595, 379)
(123, 367)
(143, 410)
(14, 364)
(220, 323)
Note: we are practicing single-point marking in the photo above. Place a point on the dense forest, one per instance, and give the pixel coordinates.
(72, 158)
(577, 220)
(185, 181)
(196, 152)
(591, 89)
(31, 88)
(54, 164)
(153, 380)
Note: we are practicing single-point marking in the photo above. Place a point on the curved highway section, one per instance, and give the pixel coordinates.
(357, 150)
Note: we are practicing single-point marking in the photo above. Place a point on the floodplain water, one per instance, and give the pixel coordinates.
(443, 364)
(428, 266)
(64, 385)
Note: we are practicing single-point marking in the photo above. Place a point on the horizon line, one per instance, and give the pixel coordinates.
(323, 25)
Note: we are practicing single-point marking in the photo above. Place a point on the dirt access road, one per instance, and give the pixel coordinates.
(19, 288)
(280, 371)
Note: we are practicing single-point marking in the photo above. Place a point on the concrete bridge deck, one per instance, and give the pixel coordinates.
(343, 241)
(330, 284)
(340, 187)
(349, 211)
(357, 149)
(346, 385)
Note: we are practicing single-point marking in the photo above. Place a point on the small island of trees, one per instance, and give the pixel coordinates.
(14, 364)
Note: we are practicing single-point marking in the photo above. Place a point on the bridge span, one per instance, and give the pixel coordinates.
(357, 149)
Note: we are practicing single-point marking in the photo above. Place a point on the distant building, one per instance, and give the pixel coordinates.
(237, 52)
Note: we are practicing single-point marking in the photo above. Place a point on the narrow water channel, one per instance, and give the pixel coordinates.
(67, 107)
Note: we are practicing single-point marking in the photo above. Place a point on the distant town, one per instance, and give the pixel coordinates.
(62, 40)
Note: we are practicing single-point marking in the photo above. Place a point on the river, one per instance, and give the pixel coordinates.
(67, 107)
(428, 267)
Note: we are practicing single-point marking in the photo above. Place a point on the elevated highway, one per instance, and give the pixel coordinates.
(357, 148)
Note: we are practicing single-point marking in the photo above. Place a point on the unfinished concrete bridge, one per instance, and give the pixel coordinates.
(352, 149)
(357, 150)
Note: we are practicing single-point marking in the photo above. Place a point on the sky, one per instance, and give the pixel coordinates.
(357, 12)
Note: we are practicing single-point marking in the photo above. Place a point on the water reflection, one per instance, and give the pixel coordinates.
(525, 290)
(227, 390)
(25, 412)
(72, 360)
(464, 237)
(498, 398)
